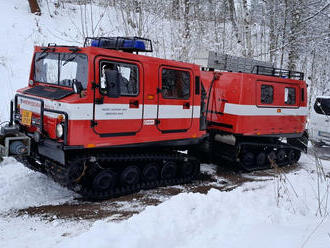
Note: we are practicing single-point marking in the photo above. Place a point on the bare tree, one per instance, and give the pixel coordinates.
(34, 7)
(233, 18)
(247, 52)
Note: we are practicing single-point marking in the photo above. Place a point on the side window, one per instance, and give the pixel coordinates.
(267, 94)
(128, 77)
(175, 84)
(290, 96)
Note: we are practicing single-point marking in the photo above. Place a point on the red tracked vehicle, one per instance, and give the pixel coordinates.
(105, 121)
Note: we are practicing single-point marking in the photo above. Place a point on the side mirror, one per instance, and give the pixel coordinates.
(77, 87)
(112, 80)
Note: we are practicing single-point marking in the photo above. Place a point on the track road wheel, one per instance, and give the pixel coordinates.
(292, 157)
(281, 157)
(272, 158)
(197, 167)
(105, 179)
(76, 172)
(130, 175)
(261, 160)
(150, 172)
(187, 169)
(168, 171)
(248, 160)
(297, 155)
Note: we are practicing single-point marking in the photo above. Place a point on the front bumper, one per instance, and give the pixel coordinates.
(52, 150)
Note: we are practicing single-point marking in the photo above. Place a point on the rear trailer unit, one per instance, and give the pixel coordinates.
(256, 114)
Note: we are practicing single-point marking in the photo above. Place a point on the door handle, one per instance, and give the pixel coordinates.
(186, 105)
(134, 104)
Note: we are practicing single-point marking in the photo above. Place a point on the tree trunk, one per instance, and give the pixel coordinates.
(313, 85)
(272, 31)
(247, 52)
(233, 19)
(284, 32)
(34, 6)
(186, 31)
(294, 44)
(176, 9)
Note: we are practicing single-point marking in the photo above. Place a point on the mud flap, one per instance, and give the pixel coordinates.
(300, 143)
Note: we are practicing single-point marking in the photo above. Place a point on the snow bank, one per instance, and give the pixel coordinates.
(21, 188)
(250, 216)
(27, 232)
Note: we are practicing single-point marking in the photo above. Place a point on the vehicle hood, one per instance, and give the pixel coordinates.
(49, 92)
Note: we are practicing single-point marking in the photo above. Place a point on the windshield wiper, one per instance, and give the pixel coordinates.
(44, 53)
(74, 51)
(70, 59)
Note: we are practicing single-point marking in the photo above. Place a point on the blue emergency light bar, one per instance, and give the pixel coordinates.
(127, 44)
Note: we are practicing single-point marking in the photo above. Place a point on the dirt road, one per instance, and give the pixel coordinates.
(125, 206)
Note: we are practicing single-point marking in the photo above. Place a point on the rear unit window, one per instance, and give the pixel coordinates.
(175, 84)
(290, 96)
(322, 106)
(267, 94)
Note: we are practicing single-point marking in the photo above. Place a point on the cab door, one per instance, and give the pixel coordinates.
(175, 99)
(120, 116)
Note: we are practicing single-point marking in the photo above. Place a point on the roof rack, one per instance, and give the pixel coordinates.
(231, 63)
(55, 45)
(277, 72)
(127, 44)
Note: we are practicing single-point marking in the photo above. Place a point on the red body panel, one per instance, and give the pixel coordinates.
(153, 119)
(235, 104)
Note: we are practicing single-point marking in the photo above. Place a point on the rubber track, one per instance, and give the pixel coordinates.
(59, 173)
(278, 145)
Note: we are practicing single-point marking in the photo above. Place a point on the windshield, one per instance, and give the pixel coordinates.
(322, 106)
(61, 68)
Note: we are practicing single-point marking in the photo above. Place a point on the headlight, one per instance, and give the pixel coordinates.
(36, 136)
(59, 130)
(75, 88)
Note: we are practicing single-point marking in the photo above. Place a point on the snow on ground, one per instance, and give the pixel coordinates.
(25, 231)
(281, 212)
(21, 187)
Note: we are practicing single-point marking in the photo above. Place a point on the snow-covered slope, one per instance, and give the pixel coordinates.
(281, 211)
(277, 213)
